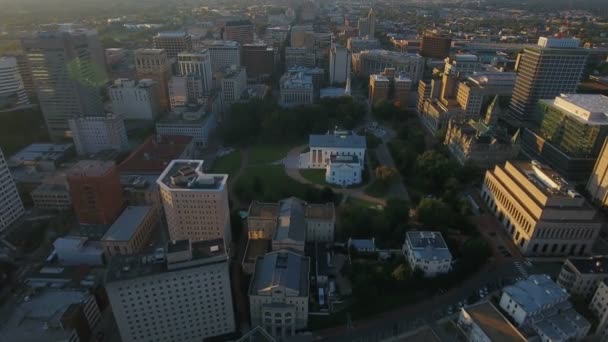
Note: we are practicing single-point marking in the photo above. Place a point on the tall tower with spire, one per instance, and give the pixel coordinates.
(371, 22)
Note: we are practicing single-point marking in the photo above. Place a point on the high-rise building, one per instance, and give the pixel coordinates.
(25, 71)
(173, 42)
(11, 207)
(241, 31)
(553, 67)
(259, 61)
(541, 212)
(358, 44)
(462, 64)
(180, 294)
(370, 62)
(94, 134)
(154, 64)
(476, 90)
(195, 203)
(435, 45)
(339, 64)
(184, 90)
(137, 100)
(66, 77)
(199, 64)
(224, 53)
(597, 185)
(371, 23)
(95, 191)
(234, 82)
(12, 90)
(301, 56)
(379, 86)
(302, 36)
(568, 133)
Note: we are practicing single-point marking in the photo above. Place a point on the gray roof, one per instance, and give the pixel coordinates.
(561, 325)
(536, 292)
(291, 223)
(341, 139)
(281, 268)
(427, 245)
(127, 223)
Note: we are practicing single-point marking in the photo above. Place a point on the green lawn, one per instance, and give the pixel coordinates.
(270, 183)
(316, 176)
(21, 128)
(264, 154)
(229, 164)
(362, 203)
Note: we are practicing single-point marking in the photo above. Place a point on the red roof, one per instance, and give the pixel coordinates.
(153, 157)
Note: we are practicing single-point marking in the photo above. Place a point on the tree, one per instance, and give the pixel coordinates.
(397, 211)
(385, 174)
(433, 169)
(402, 272)
(433, 212)
(327, 195)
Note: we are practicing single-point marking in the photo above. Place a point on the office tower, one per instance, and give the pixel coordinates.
(402, 88)
(358, 44)
(195, 203)
(476, 90)
(11, 207)
(462, 64)
(302, 36)
(179, 294)
(371, 23)
(224, 54)
(378, 88)
(198, 64)
(568, 133)
(12, 90)
(279, 293)
(370, 62)
(339, 64)
(184, 90)
(553, 67)
(154, 64)
(597, 186)
(541, 212)
(135, 100)
(240, 31)
(233, 82)
(258, 60)
(435, 45)
(66, 77)
(95, 191)
(295, 57)
(25, 71)
(94, 134)
(173, 42)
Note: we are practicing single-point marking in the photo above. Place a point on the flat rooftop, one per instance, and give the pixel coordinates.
(589, 108)
(344, 159)
(131, 267)
(41, 152)
(127, 224)
(325, 211)
(545, 178)
(91, 168)
(493, 323)
(189, 175)
(427, 245)
(536, 292)
(263, 210)
(594, 265)
(337, 139)
(174, 34)
(153, 156)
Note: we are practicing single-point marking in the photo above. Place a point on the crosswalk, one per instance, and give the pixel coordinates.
(522, 269)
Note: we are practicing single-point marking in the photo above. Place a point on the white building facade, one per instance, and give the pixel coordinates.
(343, 170)
(93, 134)
(428, 252)
(135, 100)
(11, 207)
(197, 63)
(234, 82)
(296, 89)
(323, 146)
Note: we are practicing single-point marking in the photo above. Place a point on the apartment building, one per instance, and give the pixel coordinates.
(93, 134)
(135, 100)
(173, 42)
(130, 233)
(195, 203)
(581, 276)
(11, 207)
(180, 294)
(279, 293)
(541, 212)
